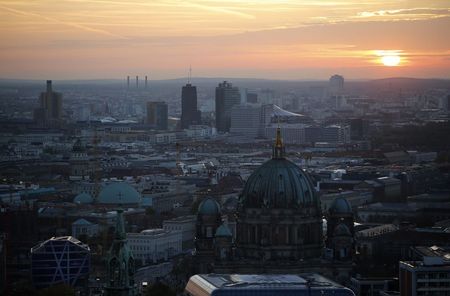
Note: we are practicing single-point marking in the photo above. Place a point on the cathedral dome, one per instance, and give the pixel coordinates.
(340, 206)
(278, 183)
(119, 193)
(209, 207)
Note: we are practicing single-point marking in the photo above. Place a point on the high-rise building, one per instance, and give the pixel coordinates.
(189, 113)
(157, 115)
(50, 105)
(245, 120)
(226, 97)
(336, 85)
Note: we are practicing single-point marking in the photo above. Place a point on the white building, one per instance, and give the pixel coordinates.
(185, 224)
(153, 245)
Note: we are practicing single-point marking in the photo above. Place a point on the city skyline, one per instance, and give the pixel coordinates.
(256, 39)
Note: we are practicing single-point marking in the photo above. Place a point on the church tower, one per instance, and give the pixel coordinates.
(120, 263)
(209, 220)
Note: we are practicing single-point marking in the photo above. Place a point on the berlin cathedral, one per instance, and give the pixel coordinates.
(278, 227)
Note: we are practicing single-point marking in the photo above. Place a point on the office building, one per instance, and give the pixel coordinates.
(50, 106)
(60, 260)
(336, 133)
(227, 96)
(185, 224)
(336, 85)
(264, 285)
(251, 96)
(153, 245)
(189, 113)
(157, 115)
(428, 276)
(245, 120)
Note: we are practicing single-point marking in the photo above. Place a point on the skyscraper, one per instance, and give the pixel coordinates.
(336, 85)
(157, 115)
(226, 97)
(189, 113)
(50, 105)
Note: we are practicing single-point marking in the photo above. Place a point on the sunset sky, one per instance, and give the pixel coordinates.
(285, 39)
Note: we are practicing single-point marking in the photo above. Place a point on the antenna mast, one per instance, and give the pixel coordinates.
(190, 74)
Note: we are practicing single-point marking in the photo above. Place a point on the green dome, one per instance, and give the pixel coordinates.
(119, 193)
(278, 183)
(340, 206)
(83, 198)
(223, 231)
(209, 207)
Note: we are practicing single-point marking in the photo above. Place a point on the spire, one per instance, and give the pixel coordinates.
(120, 263)
(278, 148)
(119, 233)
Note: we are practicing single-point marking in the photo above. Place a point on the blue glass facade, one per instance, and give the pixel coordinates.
(60, 260)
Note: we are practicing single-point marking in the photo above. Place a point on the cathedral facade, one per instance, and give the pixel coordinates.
(278, 226)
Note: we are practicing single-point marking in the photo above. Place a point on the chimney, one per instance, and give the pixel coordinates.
(128, 82)
(137, 81)
(145, 81)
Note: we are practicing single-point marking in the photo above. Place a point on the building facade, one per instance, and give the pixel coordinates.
(189, 112)
(227, 96)
(157, 115)
(60, 260)
(153, 245)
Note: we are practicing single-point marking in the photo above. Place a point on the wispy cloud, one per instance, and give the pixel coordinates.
(421, 12)
(54, 20)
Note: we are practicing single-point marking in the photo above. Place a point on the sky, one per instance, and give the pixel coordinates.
(274, 39)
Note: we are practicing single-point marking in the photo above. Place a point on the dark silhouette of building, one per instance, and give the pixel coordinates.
(50, 106)
(189, 113)
(157, 115)
(60, 260)
(226, 97)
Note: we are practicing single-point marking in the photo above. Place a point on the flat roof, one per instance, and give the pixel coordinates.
(216, 284)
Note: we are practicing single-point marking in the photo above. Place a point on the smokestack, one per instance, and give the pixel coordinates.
(128, 82)
(49, 86)
(137, 81)
(145, 81)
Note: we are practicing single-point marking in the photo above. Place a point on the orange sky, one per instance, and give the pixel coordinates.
(283, 39)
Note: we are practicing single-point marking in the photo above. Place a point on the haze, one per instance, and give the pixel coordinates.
(87, 39)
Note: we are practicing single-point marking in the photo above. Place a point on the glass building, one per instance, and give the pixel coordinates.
(60, 260)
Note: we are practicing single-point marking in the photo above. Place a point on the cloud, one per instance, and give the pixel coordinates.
(414, 12)
(65, 23)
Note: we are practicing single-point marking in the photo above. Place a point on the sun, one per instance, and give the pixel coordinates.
(390, 60)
